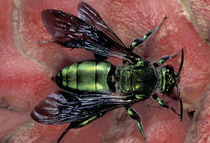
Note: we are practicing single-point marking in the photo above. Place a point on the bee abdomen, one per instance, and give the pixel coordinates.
(84, 76)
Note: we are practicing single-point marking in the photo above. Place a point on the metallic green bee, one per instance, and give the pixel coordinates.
(91, 88)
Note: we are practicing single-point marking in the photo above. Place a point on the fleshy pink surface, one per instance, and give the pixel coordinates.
(26, 68)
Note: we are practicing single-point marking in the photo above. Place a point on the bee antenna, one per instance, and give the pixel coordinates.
(182, 60)
(180, 102)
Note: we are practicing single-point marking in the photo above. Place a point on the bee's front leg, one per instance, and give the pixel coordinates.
(163, 104)
(164, 59)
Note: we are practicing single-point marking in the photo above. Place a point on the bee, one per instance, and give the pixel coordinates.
(91, 88)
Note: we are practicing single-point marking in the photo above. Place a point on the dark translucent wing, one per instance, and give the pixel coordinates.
(70, 31)
(63, 26)
(64, 107)
(103, 51)
(91, 16)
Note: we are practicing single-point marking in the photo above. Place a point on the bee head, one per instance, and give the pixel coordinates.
(168, 79)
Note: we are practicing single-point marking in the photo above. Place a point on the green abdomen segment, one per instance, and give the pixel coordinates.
(84, 76)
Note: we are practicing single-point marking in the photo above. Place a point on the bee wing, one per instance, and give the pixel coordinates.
(106, 52)
(91, 16)
(64, 107)
(73, 32)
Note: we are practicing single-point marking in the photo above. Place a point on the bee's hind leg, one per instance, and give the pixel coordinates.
(79, 125)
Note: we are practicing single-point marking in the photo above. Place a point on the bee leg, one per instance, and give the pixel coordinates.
(163, 104)
(79, 125)
(64, 133)
(134, 115)
(141, 41)
(164, 59)
(136, 43)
